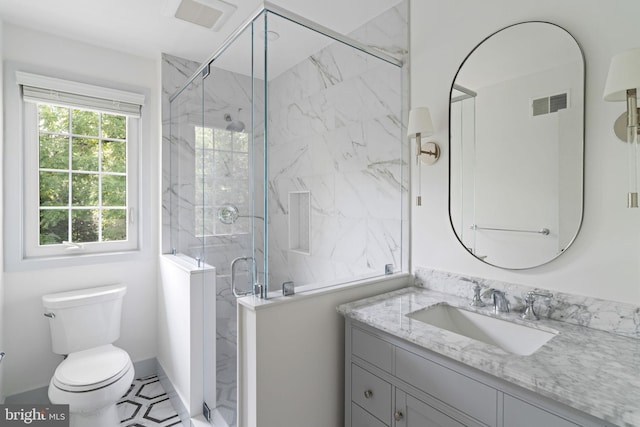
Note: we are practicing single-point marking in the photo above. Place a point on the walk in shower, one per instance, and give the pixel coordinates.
(285, 161)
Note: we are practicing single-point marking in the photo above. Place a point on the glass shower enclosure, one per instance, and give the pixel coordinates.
(287, 164)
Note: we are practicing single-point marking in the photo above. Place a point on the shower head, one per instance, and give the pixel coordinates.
(234, 126)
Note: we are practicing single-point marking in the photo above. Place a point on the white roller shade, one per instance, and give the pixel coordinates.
(51, 90)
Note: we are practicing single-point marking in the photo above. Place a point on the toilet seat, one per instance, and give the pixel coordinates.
(92, 369)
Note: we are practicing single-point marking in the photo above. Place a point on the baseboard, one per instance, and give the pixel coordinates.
(146, 368)
(177, 403)
(40, 396)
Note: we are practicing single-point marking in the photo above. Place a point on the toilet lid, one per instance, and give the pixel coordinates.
(91, 369)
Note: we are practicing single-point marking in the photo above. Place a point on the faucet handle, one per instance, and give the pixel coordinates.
(539, 293)
(531, 295)
(477, 299)
(529, 312)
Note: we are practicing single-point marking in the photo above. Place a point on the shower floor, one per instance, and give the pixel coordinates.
(147, 404)
(226, 387)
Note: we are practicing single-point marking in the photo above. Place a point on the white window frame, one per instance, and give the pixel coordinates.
(74, 95)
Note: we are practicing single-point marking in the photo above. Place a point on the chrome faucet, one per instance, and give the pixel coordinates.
(529, 313)
(476, 301)
(500, 302)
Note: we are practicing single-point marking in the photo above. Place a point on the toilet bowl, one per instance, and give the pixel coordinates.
(95, 374)
(91, 382)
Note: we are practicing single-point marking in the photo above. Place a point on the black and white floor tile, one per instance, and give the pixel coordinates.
(146, 404)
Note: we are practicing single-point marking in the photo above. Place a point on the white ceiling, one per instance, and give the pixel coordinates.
(139, 26)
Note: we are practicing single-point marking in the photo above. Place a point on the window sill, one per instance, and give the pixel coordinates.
(41, 263)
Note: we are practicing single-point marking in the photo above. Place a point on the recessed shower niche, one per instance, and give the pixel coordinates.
(300, 222)
(286, 156)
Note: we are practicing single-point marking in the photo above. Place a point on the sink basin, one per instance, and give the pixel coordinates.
(511, 337)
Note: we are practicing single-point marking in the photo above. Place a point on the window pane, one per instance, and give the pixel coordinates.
(84, 189)
(53, 119)
(54, 151)
(114, 156)
(223, 163)
(240, 165)
(241, 142)
(114, 224)
(84, 154)
(114, 190)
(222, 139)
(54, 189)
(84, 122)
(114, 126)
(54, 226)
(84, 225)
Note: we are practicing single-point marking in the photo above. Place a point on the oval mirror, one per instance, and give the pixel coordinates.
(516, 139)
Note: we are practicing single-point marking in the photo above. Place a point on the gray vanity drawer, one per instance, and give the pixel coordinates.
(517, 412)
(361, 418)
(371, 393)
(467, 395)
(372, 349)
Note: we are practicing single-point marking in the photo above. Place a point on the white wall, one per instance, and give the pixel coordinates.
(604, 260)
(30, 363)
(186, 309)
(291, 368)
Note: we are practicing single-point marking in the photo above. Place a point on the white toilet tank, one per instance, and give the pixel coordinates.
(85, 318)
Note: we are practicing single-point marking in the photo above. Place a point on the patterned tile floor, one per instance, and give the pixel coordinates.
(146, 404)
(226, 390)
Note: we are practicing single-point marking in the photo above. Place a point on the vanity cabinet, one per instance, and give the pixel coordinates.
(412, 412)
(519, 413)
(390, 382)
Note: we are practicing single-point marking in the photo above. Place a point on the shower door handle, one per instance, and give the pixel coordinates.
(233, 275)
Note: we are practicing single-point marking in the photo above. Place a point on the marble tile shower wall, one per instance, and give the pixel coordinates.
(223, 92)
(335, 129)
(179, 192)
(341, 108)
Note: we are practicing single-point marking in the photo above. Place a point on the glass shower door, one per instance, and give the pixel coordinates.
(226, 213)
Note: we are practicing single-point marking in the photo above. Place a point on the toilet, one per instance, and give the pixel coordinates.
(95, 373)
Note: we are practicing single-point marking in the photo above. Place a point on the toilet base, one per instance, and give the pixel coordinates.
(107, 417)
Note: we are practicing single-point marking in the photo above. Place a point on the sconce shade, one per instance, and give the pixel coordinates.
(420, 122)
(624, 73)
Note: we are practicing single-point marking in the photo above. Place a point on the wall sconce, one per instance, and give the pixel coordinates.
(420, 125)
(623, 84)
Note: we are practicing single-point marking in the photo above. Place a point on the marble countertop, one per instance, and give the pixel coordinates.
(593, 371)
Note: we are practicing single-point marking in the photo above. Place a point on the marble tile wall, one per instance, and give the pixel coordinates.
(335, 130)
(611, 316)
(223, 92)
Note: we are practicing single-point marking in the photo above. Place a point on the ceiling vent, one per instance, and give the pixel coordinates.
(211, 14)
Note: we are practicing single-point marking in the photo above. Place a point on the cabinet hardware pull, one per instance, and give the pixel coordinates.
(368, 394)
(398, 416)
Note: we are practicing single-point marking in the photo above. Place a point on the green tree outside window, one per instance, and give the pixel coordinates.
(83, 175)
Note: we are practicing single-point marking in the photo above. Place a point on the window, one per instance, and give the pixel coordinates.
(222, 171)
(80, 172)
